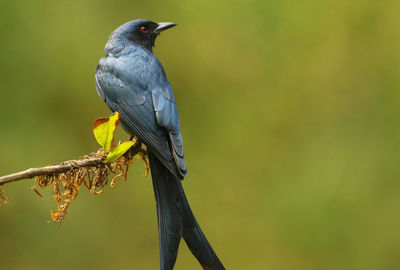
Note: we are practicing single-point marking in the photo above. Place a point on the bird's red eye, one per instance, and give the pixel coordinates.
(143, 29)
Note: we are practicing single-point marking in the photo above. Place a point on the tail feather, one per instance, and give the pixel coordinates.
(175, 219)
(195, 238)
(170, 225)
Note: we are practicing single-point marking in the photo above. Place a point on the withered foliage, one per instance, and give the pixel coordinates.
(66, 185)
(91, 172)
(3, 196)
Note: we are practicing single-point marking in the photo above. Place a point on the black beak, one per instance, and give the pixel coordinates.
(164, 26)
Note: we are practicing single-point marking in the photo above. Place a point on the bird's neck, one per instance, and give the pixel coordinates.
(121, 46)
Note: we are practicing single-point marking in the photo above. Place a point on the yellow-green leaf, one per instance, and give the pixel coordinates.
(103, 130)
(118, 151)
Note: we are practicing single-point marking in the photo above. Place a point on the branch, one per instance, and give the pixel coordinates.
(67, 177)
(91, 171)
(51, 169)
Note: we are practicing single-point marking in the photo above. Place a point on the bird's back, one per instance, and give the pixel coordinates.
(133, 82)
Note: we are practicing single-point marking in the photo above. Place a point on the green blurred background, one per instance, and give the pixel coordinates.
(290, 117)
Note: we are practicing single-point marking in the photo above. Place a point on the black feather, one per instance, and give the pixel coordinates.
(132, 81)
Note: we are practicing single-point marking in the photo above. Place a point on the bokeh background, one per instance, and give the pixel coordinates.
(290, 117)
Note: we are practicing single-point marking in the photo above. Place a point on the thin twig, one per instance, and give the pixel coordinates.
(92, 161)
(51, 169)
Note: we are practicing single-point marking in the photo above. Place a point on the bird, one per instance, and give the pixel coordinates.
(132, 81)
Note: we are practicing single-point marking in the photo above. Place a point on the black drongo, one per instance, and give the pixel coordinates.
(132, 81)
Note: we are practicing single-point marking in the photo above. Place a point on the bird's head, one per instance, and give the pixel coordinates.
(141, 32)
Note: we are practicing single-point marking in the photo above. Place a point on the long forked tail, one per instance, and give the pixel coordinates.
(175, 219)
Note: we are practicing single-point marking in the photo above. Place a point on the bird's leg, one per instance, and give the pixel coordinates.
(137, 147)
(140, 152)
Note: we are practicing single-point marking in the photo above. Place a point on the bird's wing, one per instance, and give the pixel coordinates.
(167, 117)
(140, 92)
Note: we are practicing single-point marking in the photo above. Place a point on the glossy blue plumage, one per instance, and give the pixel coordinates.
(132, 81)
